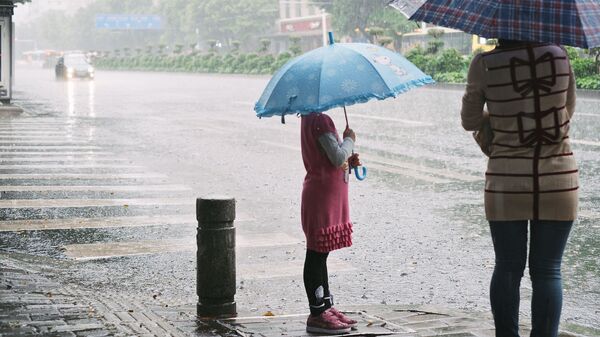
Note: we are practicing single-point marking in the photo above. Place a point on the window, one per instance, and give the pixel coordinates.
(311, 10)
(287, 10)
(298, 8)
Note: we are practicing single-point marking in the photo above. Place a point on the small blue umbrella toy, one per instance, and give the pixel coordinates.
(338, 75)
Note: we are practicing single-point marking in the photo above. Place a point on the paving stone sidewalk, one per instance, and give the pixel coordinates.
(381, 320)
(33, 305)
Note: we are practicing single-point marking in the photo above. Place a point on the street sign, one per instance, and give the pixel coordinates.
(128, 22)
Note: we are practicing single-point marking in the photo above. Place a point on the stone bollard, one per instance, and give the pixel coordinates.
(216, 257)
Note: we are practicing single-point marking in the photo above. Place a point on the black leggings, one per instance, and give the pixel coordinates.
(316, 282)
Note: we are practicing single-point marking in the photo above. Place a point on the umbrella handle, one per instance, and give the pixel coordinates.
(358, 175)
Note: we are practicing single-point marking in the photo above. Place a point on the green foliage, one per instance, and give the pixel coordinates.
(350, 15)
(447, 66)
(590, 83)
(451, 77)
(264, 45)
(584, 67)
(295, 48)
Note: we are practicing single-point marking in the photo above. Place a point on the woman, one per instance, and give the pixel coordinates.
(325, 216)
(532, 176)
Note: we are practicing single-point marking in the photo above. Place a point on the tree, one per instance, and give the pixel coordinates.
(352, 17)
(234, 20)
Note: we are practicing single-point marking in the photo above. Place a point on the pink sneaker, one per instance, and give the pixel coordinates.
(326, 323)
(343, 318)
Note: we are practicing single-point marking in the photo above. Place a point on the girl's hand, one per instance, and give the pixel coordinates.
(350, 133)
(345, 166)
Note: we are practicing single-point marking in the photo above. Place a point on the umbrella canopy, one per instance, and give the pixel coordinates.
(568, 22)
(338, 75)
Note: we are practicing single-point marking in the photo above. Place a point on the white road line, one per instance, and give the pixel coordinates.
(388, 119)
(91, 176)
(68, 159)
(104, 222)
(49, 147)
(92, 188)
(61, 166)
(36, 133)
(409, 173)
(424, 169)
(77, 203)
(109, 222)
(287, 269)
(61, 137)
(587, 114)
(29, 129)
(44, 143)
(589, 215)
(54, 153)
(96, 251)
(403, 168)
(585, 142)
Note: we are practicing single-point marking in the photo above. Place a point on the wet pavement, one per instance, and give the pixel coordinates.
(98, 182)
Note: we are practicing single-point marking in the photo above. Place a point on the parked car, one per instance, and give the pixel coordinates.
(73, 66)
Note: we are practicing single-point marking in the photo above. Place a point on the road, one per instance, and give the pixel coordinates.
(99, 180)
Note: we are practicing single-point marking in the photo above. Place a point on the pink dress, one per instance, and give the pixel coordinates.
(325, 212)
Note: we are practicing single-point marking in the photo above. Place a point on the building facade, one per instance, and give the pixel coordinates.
(301, 19)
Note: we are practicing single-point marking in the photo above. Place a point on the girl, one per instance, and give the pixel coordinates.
(325, 216)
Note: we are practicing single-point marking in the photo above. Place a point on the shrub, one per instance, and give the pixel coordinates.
(451, 77)
(590, 82)
(584, 67)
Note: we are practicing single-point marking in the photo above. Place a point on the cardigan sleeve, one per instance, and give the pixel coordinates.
(337, 153)
(473, 100)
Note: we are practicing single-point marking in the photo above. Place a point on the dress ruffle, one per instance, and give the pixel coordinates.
(332, 238)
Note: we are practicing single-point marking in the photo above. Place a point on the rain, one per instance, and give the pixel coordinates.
(117, 115)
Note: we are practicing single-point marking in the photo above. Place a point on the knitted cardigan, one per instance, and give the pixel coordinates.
(530, 94)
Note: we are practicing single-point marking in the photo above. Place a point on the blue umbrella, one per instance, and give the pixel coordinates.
(570, 22)
(338, 75)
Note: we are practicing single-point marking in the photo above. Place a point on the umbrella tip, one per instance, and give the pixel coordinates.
(331, 38)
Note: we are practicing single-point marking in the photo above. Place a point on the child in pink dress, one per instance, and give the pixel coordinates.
(325, 216)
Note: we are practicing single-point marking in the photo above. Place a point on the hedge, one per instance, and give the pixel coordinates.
(447, 66)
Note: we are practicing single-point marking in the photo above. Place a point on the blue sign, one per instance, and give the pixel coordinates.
(128, 22)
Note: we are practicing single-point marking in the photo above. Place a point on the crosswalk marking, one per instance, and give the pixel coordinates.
(63, 166)
(105, 250)
(60, 159)
(9, 148)
(77, 203)
(90, 176)
(94, 188)
(109, 222)
(43, 142)
(105, 222)
(12, 154)
(36, 133)
(43, 137)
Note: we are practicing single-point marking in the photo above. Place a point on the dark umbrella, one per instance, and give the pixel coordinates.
(567, 22)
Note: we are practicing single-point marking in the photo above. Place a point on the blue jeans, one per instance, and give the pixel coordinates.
(548, 241)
